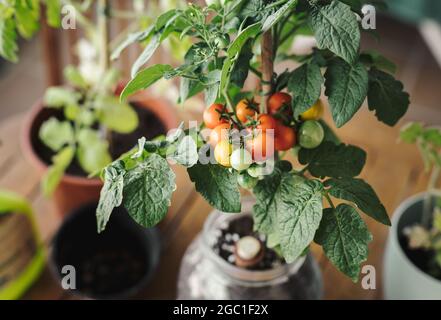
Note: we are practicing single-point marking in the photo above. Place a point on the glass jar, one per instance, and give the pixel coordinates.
(205, 275)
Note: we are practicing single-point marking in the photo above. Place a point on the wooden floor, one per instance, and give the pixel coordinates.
(394, 170)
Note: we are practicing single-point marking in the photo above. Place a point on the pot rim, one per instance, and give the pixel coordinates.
(168, 118)
(398, 214)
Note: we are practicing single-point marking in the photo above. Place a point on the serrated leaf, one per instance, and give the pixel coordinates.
(145, 79)
(346, 88)
(360, 193)
(336, 28)
(53, 176)
(336, 161)
(305, 84)
(56, 134)
(217, 185)
(120, 117)
(186, 153)
(344, 238)
(299, 215)
(111, 196)
(148, 189)
(387, 97)
(8, 40)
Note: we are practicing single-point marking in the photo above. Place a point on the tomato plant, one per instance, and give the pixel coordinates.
(289, 199)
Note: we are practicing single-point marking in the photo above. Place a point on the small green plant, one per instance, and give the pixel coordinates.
(231, 40)
(427, 234)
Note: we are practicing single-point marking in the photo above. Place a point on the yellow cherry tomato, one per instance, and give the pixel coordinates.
(222, 153)
(313, 113)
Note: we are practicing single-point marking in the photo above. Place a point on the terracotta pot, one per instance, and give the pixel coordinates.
(74, 191)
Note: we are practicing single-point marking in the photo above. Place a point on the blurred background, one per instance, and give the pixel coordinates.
(410, 36)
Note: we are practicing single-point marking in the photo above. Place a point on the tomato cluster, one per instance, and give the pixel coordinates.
(261, 134)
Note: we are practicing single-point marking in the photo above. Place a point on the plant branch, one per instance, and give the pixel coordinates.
(427, 204)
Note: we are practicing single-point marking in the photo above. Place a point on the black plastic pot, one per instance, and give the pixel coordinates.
(116, 264)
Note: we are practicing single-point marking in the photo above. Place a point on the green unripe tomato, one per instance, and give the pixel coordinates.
(241, 159)
(311, 134)
(246, 181)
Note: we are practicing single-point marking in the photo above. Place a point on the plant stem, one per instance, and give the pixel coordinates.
(267, 68)
(103, 27)
(328, 198)
(427, 204)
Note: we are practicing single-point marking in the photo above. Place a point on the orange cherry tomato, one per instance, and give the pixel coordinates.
(245, 110)
(212, 115)
(261, 146)
(285, 137)
(219, 133)
(279, 100)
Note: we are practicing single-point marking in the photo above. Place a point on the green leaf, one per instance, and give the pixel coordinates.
(58, 97)
(27, 14)
(111, 195)
(373, 58)
(74, 77)
(186, 153)
(336, 28)
(53, 176)
(305, 84)
(234, 49)
(336, 161)
(346, 88)
(299, 215)
(274, 18)
(240, 71)
(329, 133)
(211, 91)
(8, 40)
(146, 54)
(433, 136)
(344, 238)
(119, 117)
(145, 79)
(217, 185)
(189, 88)
(360, 193)
(53, 13)
(387, 97)
(56, 134)
(131, 38)
(92, 153)
(148, 189)
(411, 132)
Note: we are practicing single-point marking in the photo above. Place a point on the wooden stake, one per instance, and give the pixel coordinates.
(267, 68)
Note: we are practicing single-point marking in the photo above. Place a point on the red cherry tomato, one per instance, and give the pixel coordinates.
(212, 115)
(266, 122)
(279, 100)
(261, 146)
(285, 137)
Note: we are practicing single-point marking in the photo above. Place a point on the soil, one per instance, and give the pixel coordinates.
(422, 259)
(149, 126)
(239, 228)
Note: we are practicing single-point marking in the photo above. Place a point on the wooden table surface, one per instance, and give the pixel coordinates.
(394, 170)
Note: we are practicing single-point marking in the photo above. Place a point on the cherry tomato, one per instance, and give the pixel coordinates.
(212, 115)
(241, 159)
(246, 181)
(285, 137)
(219, 133)
(279, 100)
(261, 146)
(222, 153)
(245, 110)
(266, 122)
(311, 134)
(313, 113)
